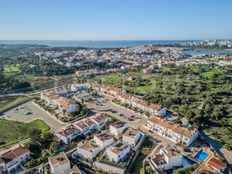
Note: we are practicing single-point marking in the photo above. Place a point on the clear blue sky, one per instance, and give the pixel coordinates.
(115, 19)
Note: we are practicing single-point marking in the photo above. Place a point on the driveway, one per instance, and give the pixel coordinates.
(37, 113)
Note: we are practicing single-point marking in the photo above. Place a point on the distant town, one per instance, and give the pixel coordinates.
(134, 110)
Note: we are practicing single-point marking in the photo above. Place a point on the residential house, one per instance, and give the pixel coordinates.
(59, 163)
(88, 149)
(104, 139)
(82, 126)
(155, 109)
(117, 128)
(74, 170)
(118, 151)
(68, 106)
(68, 133)
(100, 120)
(166, 158)
(12, 158)
(131, 136)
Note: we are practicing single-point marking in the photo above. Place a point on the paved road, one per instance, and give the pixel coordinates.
(20, 115)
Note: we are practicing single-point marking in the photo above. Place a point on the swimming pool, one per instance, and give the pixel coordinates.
(201, 155)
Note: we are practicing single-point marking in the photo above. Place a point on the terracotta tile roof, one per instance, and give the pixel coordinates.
(187, 132)
(215, 163)
(178, 130)
(155, 107)
(154, 119)
(124, 96)
(142, 102)
(113, 89)
(8, 155)
(66, 102)
(69, 130)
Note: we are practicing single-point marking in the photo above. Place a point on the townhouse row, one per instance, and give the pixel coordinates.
(152, 109)
(81, 127)
(12, 158)
(174, 132)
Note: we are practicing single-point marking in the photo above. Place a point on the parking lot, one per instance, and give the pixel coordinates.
(104, 104)
(28, 112)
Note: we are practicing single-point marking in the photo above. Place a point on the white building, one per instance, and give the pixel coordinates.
(176, 133)
(68, 133)
(79, 88)
(87, 149)
(117, 128)
(12, 158)
(131, 136)
(85, 129)
(104, 139)
(118, 151)
(68, 106)
(166, 158)
(100, 120)
(74, 170)
(59, 163)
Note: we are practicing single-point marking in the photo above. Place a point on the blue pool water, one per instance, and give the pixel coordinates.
(201, 155)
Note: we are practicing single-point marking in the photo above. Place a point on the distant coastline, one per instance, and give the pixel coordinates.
(95, 44)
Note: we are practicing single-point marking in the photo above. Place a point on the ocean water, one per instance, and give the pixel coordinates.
(205, 52)
(94, 44)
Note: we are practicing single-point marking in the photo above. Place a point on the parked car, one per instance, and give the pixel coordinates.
(28, 113)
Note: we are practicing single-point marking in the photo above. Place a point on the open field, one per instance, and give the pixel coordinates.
(13, 68)
(9, 102)
(13, 131)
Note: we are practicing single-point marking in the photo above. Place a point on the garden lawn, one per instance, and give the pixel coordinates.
(12, 131)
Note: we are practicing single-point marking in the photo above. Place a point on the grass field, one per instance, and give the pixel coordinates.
(12, 131)
(8, 102)
(13, 68)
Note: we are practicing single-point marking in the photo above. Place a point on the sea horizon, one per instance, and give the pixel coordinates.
(95, 43)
